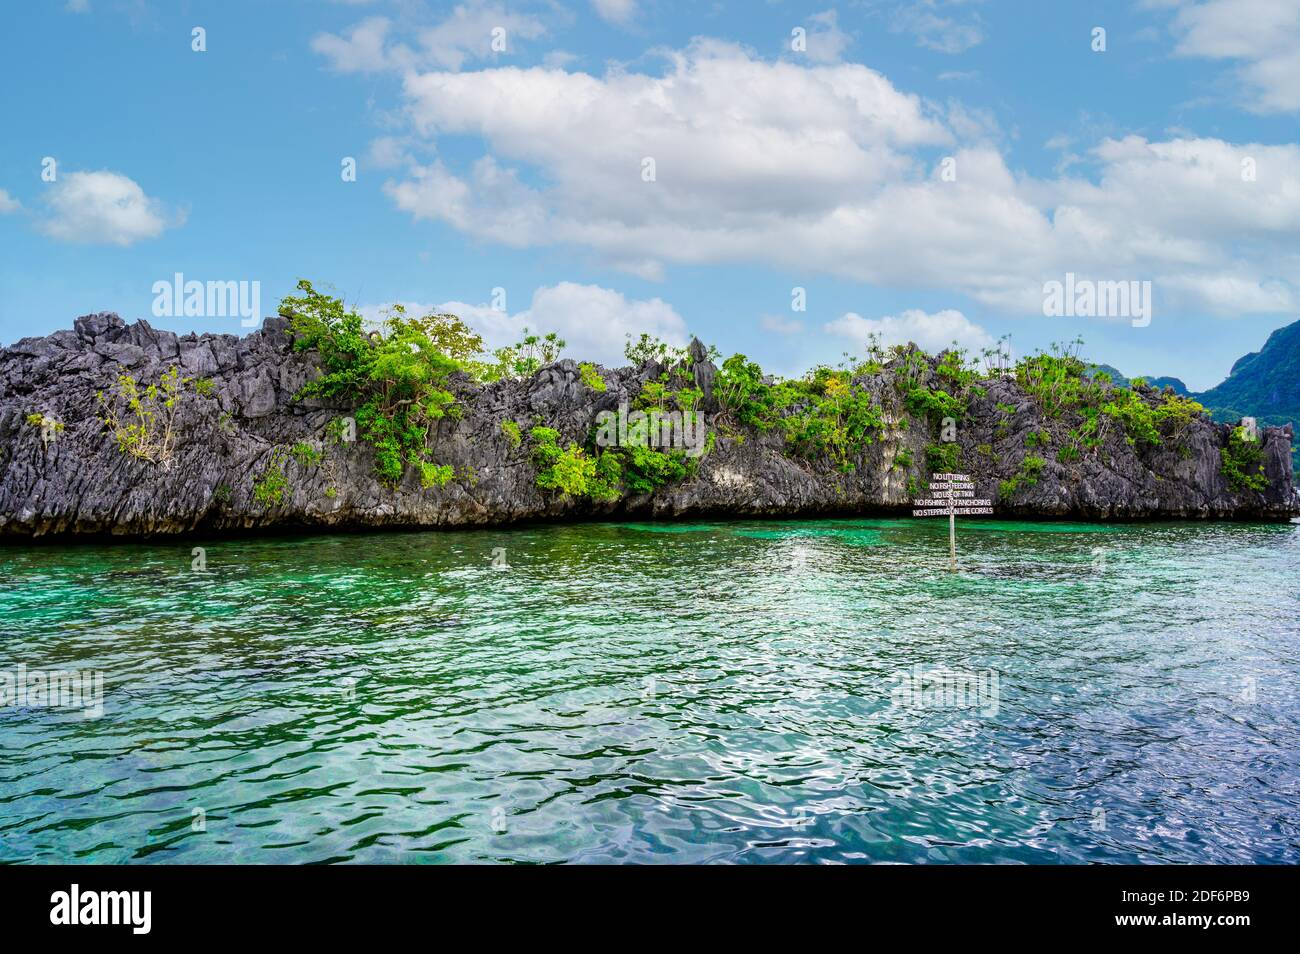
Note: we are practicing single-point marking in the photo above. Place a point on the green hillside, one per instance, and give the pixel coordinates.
(1264, 384)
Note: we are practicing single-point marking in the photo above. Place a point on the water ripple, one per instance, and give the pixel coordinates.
(648, 693)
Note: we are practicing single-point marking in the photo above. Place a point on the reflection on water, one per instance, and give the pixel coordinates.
(642, 692)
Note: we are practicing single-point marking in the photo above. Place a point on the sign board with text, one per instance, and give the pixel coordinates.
(951, 496)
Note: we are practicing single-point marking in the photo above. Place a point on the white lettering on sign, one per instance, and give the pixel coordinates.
(951, 494)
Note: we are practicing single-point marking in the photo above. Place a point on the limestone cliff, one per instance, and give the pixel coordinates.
(63, 474)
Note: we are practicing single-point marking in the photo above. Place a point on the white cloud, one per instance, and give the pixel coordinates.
(832, 169)
(102, 208)
(594, 321)
(388, 152)
(466, 34)
(558, 59)
(932, 332)
(618, 12)
(8, 203)
(780, 326)
(1263, 36)
(826, 41)
(934, 28)
(737, 143)
(493, 205)
(78, 6)
(361, 50)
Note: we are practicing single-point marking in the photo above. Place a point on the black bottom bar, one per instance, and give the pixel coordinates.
(215, 904)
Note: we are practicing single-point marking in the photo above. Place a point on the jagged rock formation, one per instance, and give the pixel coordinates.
(75, 480)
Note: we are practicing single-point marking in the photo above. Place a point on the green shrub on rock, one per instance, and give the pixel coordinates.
(269, 488)
(1243, 462)
(825, 414)
(591, 377)
(571, 471)
(1027, 476)
(143, 420)
(942, 458)
(396, 378)
(305, 454)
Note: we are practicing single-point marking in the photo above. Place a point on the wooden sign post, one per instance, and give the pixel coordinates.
(950, 495)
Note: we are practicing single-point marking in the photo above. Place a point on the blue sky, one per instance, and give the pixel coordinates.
(775, 168)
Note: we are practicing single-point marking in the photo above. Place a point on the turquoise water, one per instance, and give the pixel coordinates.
(655, 693)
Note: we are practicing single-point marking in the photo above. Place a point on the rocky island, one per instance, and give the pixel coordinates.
(313, 422)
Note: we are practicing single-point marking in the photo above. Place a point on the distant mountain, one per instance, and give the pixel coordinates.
(1265, 384)
(1120, 380)
(1175, 383)
(1116, 378)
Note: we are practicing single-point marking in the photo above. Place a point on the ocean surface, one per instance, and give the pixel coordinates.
(761, 692)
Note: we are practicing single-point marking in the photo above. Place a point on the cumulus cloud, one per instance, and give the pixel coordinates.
(1262, 36)
(933, 332)
(388, 152)
(618, 12)
(940, 25)
(8, 203)
(594, 321)
(826, 42)
(738, 145)
(830, 168)
(104, 208)
(360, 50)
(466, 34)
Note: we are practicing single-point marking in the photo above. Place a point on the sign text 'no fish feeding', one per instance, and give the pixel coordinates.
(951, 495)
